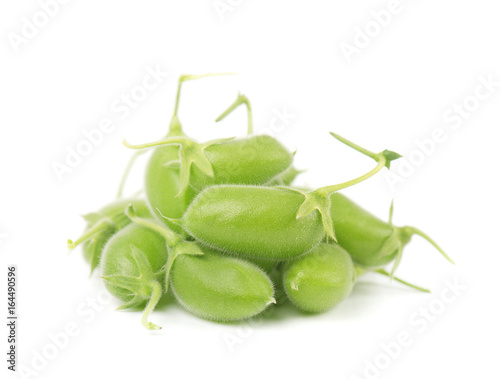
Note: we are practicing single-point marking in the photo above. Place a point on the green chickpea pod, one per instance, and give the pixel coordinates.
(371, 242)
(320, 279)
(181, 167)
(208, 284)
(268, 222)
(220, 288)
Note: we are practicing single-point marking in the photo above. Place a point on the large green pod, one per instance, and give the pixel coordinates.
(370, 241)
(259, 222)
(320, 279)
(218, 287)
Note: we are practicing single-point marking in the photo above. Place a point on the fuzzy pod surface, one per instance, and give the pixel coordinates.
(320, 279)
(258, 222)
(218, 287)
(162, 185)
(370, 241)
(253, 160)
(118, 258)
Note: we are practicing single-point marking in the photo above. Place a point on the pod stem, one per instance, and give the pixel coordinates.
(337, 187)
(175, 128)
(182, 248)
(175, 244)
(240, 99)
(391, 212)
(385, 273)
(383, 159)
(171, 237)
(156, 293)
(190, 152)
(97, 228)
(320, 198)
(126, 173)
(412, 230)
(143, 287)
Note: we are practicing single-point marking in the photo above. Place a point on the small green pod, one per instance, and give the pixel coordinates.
(132, 267)
(162, 185)
(257, 222)
(370, 241)
(221, 288)
(103, 224)
(320, 279)
(253, 160)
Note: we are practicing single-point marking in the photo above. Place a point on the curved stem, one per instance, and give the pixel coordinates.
(171, 237)
(362, 150)
(241, 99)
(417, 231)
(391, 211)
(320, 198)
(155, 297)
(385, 273)
(167, 141)
(383, 159)
(397, 260)
(127, 172)
(175, 126)
(336, 187)
(184, 78)
(99, 227)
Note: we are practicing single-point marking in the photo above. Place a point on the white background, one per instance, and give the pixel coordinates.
(394, 91)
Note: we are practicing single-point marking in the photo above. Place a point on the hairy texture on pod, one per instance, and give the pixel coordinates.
(163, 185)
(372, 242)
(259, 222)
(360, 233)
(218, 287)
(253, 160)
(285, 179)
(320, 279)
(118, 260)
